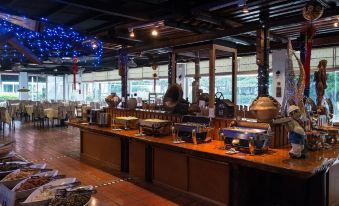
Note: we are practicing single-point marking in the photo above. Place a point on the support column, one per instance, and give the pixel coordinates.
(263, 54)
(123, 72)
(173, 63)
(169, 74)
(196, 82)
(211, 77)
(234, 76)
(23, 83)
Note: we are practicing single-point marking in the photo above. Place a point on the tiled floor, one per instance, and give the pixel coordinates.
(59, 147)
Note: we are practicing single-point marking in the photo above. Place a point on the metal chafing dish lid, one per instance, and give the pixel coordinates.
(155, 120)
(247, 130)
(126, 118)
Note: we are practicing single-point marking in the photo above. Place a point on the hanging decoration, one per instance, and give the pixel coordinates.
(312, 11)
(49, 41)
(75, 71)
(309, 34)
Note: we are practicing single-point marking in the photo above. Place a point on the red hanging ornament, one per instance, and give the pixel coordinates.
(75, 71)
(309, 34)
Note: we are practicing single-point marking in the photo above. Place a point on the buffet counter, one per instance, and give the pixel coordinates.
(207, 171)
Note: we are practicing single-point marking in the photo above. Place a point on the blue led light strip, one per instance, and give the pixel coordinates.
(50, 41)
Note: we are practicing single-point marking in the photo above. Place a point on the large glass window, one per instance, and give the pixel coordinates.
(331, 91)
(38, 88)
(142, 88)
(55, 87)
(8, 88)
(98, 91)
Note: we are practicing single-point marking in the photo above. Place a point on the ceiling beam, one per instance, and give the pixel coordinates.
(54, 10)
(89, 15)
(240, 40)
(101, 7)
(213, 19)
(248, 27)
(185, 27)
(101, 28)
(216, 5)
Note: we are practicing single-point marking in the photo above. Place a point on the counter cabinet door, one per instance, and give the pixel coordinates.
(137, 159)
(102, 148)
(209, 179)
(170, 168)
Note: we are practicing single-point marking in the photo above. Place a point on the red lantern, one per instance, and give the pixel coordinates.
(75, 71)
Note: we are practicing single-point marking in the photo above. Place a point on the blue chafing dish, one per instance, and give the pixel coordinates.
(255, 139)
(200, 126)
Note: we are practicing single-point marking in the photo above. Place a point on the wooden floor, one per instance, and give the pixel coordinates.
(59, 147)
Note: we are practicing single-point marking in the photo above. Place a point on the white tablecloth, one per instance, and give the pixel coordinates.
(51, 113)
(29, 109)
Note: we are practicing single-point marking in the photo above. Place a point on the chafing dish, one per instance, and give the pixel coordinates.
(241, 136)
(155, 127)
(194, 129)
(94, 116)
(125, 122)
(103, 119)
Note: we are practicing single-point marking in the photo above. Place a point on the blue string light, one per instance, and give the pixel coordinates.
(51, 41)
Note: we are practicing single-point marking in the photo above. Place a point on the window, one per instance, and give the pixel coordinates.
(141, 87)
(247, 87)
(55, 88)
(37, 86)
(116, 87)
(8, 88)
(331, 91)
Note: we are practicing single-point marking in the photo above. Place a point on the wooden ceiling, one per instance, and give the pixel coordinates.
(178, 23)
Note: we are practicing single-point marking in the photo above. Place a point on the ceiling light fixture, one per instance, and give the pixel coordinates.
(131, 33)
(154, 32)
(335, 24)
(245, 8)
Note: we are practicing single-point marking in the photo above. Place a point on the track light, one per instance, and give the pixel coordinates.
(154, 32)
(245, 8)
(131, 33)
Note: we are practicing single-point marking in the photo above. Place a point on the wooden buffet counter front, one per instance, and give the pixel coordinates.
(207, 171)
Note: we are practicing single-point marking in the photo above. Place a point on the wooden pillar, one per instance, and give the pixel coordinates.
(172, 75)
(170, 70)
(234, 76)
(211, 76)
(124, 78)
(263, 54)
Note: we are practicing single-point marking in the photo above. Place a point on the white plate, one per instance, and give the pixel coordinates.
(63, 183)
(25, 193)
